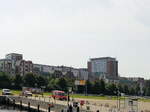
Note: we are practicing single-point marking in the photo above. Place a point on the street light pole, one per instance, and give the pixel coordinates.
(85, 89)
(68, 99)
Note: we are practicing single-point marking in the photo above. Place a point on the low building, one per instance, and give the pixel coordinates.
(47, 69)
(136, 79)
(43, 69)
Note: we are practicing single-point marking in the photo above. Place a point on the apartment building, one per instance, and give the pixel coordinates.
(14, 64)
(83, 74)
(77, 73)
(23, 67)
(6, 66)
(104, 66)
(40, 68)
(14, 57)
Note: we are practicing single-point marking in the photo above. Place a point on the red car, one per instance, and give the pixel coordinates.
(56, 94)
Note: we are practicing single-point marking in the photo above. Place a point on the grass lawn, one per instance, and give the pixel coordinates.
(96, 97)
(144, 100)
(47, 93)
(17, 92)
(88, 97)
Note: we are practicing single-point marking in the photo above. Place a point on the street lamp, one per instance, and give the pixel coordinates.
(69, 91)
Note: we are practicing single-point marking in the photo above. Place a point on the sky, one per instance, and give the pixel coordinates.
(69, 32)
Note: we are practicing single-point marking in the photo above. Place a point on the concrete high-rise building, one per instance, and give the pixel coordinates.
(14, 57)
(6, 66)
(23, 67)
(14, 64)
(83, 74)
(103, 66)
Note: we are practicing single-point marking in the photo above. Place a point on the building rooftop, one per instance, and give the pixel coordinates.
(101, 58)
(13, 54)
(5, 60)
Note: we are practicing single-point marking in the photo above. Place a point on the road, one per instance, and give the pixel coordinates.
(102, 105)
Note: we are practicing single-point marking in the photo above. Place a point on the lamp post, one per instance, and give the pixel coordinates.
(85, 87)
(118, 94)
(70, 108)
(42, 91)
(69, 91)
(68, 99)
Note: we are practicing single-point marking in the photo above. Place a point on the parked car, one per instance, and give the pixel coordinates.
(27, 93)
(6, 92)
(56, 94)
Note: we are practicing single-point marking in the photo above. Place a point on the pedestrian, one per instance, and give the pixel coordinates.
(78, 109)
(70, 108)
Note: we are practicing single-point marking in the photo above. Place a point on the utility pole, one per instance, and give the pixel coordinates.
(85, 88)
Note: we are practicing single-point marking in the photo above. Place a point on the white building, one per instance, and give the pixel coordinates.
(39, 68)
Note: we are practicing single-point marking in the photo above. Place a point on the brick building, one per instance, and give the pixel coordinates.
(107, 66)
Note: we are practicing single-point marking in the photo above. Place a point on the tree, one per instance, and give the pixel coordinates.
(126, 89)
(62, 84)
(51, 84)
(120, 88)
(132, 91)
(18, 81)
(41, 81)
(29, 80)
(102, 86)
(5, 81)
(147, 93)
(89, 86)
(137, 89)
(96, 87)
(111, 89)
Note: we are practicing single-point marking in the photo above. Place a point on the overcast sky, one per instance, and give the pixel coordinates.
(69, 32)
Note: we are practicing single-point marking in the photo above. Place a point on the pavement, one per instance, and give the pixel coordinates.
(92, 105)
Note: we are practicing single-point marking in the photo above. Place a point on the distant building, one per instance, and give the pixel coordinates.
(107, 66)
(23, 67)
(40, 69)
(132, 80)
(6, 66)
(83, 74)
(136, 79)
(14, 57)
(14, 64)
(47, 69)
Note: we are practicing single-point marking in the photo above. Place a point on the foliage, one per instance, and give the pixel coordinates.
(41, 81)
(30, 80)
(58, 81)
(17, 81)
(5, 80)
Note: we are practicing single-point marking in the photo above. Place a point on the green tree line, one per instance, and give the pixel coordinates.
(57, 81)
